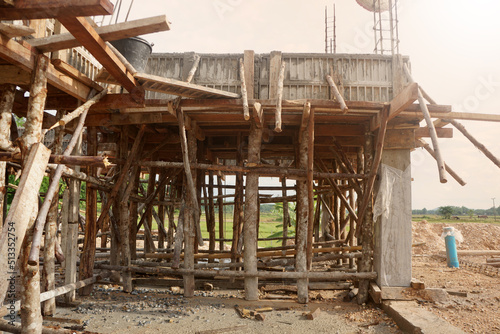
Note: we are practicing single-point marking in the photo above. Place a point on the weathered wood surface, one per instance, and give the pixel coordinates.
(337, 94)
(15, 30)
(41, 9)
(108, 33)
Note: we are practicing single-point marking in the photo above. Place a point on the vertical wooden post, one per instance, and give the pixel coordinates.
(6, 104)
(148, 247)
(31, 316)
(365, 263)
(238, 202)
(189, 222)
(310, 188)
(161, 213)
(124, 217)
(302, 221)
(220, 206)
(251, 214)
(211, 210)
(48, 273)
(286, 213)
(173, 195)
(89, 243)
(134, 215)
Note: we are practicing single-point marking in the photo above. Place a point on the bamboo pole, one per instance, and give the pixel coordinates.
(277, 114)
(474, 141)
(244, 95)
(310, 187)
(337, 94)
(251, 217)
(220, 206)
(432, 129)
(211, 211)
(450, 171)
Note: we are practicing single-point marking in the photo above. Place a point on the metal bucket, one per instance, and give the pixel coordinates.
(136, 50)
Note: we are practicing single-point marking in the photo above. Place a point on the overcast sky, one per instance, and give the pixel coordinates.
(453, 45)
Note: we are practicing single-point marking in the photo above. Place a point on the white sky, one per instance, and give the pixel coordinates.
(454, 50)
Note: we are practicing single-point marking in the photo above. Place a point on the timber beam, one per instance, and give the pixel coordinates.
(108, 33)
(90, 39)
(44, 9)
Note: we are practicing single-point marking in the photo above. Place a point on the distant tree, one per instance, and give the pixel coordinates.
(424, 211)
(446, 211)
(470, 213)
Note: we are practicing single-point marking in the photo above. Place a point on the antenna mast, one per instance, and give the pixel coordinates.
(330, 31)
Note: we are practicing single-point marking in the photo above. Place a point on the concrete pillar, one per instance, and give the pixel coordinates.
(393, 235)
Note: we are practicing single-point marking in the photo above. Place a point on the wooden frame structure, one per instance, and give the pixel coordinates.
(327, 135)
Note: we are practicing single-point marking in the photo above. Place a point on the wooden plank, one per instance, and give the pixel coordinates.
(181, 88)
(107, 33)
(23, 57)
(401, 102)
(90, 39)
(441, 132)
(399, 139)
(42, 9)
(17, 220)
(15, 30)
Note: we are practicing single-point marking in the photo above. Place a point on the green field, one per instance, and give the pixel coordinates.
(463, 219)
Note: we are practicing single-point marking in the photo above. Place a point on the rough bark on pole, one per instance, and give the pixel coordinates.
(48, 273)
(7, 96)
(310, 187)
(179, 232)
(34, 118)
(251, 218)
(64, 225)
(244, 95)
(337, 94)
(277, 114)
(161, 215)
(190, 217)
(302, 222)
(238, 204)
(124, 211)
(80, 110)
(365, 225)
(474, 141)
(193, 69)
(432, 130)
(91, 227)
(148, 214)
(450, 171)
(286, 212)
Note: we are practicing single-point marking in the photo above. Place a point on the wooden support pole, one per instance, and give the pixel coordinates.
(432, 130)
(337, 94)
(310, 187)
(277, 114)
(244, 95)
(365, 224)
(286, 212)
(211, 212)
(450, 171)
(251, 218)
(134, 215)
(238, 204)
(220, 207)
(302, 222)
(161, 214)
(373, 170)
(147, 218)
(193, 69)
(48, 271)
(195, 210)
(20, 211)
(474, 141)
(191, 215)
(7, 96)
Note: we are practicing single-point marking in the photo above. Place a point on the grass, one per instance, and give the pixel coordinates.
(463, 219)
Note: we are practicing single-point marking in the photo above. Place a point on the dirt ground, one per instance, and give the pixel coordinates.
(473, 306)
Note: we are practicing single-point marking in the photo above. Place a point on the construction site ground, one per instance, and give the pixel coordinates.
(472, 301)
